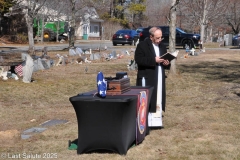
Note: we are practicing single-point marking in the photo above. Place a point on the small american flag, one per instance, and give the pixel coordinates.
(19, 70)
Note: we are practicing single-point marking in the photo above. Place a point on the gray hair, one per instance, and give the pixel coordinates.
(153, 29)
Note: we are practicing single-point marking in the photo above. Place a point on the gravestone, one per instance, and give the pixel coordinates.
(72, 52)
(95, 56)
(79, 51)
(38, 65)
(46, 64)
(114, 55)
(53, 122)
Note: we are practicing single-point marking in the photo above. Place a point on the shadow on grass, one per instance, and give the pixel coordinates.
(236, 47)
(224, 70)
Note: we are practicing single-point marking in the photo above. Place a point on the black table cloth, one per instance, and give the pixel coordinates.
(113, 123)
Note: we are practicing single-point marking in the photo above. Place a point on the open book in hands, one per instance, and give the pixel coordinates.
(170, 56)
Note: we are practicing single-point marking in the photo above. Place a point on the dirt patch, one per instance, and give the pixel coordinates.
(9, 136)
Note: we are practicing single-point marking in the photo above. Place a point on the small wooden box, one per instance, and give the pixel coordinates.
(118, 86)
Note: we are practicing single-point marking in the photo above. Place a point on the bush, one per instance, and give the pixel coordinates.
(21, 38)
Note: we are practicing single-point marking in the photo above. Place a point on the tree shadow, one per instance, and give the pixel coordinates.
(236, 47)
(224, 70)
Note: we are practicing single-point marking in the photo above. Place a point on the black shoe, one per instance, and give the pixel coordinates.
(33, 80)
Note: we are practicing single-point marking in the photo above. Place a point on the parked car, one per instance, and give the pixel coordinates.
(236, 40)
(182, 38)
(125, 36)
(139, 30)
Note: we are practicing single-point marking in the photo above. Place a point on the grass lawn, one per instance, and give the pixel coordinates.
(201, 119)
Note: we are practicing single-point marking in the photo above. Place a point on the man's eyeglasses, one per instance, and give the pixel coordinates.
(161, 38)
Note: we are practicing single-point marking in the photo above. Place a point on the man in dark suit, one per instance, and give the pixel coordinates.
(152, 68)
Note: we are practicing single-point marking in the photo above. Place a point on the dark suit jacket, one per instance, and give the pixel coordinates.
(148, 68)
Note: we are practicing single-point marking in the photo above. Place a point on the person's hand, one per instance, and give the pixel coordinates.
(166, 62)
(163, 61)
(159, 60)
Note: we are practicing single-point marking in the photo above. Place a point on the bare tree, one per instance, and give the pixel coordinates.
(203, 13)
(72, 24)
(59, 15)
(172, 35)
(102, 6)
(31, 7)
(104, 9)
(40, 19)
(134, 13)
(233, 16)
(156, 13)
(76, 6)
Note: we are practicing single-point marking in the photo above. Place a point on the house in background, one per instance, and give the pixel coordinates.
(88, 26)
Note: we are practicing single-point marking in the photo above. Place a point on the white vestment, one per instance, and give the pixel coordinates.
(155, 119)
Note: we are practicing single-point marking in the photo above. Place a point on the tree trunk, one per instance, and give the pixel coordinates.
(172, 35)
(29, 21)
(210, 34)
(38, 30)
(112, 8)
(73, 25)
(42, 29)
(202, 32)
(204, 21)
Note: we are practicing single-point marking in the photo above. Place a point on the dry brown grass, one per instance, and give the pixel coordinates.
(201, 119)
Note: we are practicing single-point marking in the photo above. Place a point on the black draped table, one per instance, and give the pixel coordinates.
(115, 122)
